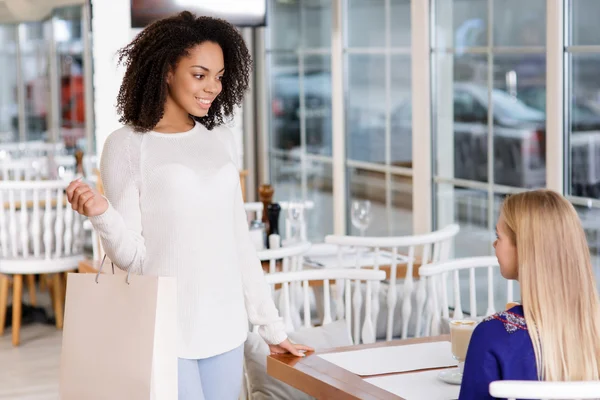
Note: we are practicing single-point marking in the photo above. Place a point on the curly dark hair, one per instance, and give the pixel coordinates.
(157, 50)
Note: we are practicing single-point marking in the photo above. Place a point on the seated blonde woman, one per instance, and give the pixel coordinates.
(540, 243)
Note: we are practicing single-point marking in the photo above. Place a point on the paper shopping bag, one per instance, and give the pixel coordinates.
(119, 338)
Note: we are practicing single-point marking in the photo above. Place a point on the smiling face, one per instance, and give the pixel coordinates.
(196, 81)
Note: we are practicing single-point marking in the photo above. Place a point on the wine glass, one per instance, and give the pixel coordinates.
(295, 215)
(361, 215)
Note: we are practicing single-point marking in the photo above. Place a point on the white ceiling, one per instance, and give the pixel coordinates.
(12, 11)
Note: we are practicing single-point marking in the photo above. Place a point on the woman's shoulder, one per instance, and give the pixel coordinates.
(121, 134)
(509, 321)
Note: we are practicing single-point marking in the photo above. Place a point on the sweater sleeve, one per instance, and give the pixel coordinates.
(120, 226)
(257, 294)
(482, 366)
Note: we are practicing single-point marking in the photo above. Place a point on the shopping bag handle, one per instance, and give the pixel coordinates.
(113, 269)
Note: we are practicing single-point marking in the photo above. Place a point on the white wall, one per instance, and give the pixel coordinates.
(111, 30)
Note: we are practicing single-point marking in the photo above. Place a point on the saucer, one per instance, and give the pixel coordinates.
(451, 376)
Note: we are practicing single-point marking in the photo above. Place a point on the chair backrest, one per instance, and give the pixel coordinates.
(255, 211)
(37, 168)
(31, 149)
(424, 249)
(435, 279)
(36, 221)
(290, 256)
(545, 390)
(344, 278)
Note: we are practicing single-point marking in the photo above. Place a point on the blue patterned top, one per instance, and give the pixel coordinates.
(500, 349)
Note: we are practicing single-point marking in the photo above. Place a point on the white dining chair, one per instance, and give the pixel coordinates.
(435, 289)
(33, 148)
(289, 258)
(394, 251)
(39, 234)
(513, 390)
(342, 276)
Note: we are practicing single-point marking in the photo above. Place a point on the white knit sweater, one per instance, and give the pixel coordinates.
(176, 209)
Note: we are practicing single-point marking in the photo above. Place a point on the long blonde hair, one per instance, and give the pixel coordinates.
(558, 289)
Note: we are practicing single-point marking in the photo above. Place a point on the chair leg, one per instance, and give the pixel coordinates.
(58, 300)
(31, 289)
(16, 309)
(43, 282)
(4, 282)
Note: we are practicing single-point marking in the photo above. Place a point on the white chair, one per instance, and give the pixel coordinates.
(436, 277)
(290, 256)
(343, 277)
(512, 390)
(425, 248)
(31, 149)
(37, 168)
(290, 259)
(39, 234)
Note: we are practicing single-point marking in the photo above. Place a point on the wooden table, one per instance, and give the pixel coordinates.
(91, 266)
(324, 380)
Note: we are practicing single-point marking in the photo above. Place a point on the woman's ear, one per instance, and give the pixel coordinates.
(169, 77)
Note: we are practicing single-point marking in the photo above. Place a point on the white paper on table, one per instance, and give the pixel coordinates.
(386, 360)
(417, 386)
(349, 259)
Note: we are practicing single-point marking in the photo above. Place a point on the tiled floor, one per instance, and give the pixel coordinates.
(30, 371)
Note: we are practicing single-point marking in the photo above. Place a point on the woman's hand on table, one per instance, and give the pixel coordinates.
(288, 347)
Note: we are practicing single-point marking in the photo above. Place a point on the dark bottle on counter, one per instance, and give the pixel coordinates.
(273, 211)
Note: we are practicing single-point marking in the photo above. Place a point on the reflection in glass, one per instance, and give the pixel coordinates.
(400, 23)
(520, 23)
(520, 120)
(285, 101)
(401, 116)
(69, 46)
(316, 23)
(584, 127)
(8, 84)
(316, 83)
(366, 23)
(461, 129)
(401, 220)
(34, 67)
(590, 220)
(366, 108)
(469, 24)
(284, 25)
(586, 31)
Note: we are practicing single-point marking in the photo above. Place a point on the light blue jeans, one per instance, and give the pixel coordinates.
(214, 378)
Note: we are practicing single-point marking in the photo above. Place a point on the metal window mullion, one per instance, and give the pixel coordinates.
(388, 118)
(248, 125)
(315, 51)
(302, 110)
(556, 160)
(54, 79)
(422, 117)
(337, 113)
(263, 97)
(490, 138)
(586, 49)
(22, 128)
(88, 85)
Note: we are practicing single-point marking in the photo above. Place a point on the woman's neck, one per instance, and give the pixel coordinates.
(175, 119)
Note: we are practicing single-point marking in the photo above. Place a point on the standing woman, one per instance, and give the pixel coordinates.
(173, 203)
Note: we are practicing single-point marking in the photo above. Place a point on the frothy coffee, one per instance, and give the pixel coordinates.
(460, 336)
